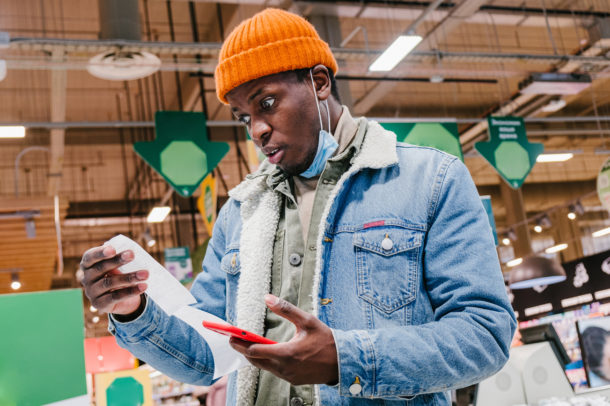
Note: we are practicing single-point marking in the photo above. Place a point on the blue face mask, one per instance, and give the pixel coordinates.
(326, 143)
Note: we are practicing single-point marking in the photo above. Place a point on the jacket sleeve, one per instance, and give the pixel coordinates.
(169, 344)
(470, 335)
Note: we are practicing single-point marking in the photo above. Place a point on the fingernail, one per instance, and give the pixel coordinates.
(142, 287)
(271, 300)
(108, 251)
(141, 275)
(127, 255)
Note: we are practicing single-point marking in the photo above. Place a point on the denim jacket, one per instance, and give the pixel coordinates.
(407, 278)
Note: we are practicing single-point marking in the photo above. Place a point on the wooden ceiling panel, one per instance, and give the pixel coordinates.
(32, 259)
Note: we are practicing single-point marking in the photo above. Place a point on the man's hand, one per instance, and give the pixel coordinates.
(309, 357)
(107, 288)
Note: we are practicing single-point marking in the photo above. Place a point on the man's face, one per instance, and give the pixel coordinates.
(282, 119)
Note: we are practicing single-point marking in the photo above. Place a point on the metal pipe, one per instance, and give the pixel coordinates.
(211, 49)
(235, 123)
(60, 254)
(431, 7)
(574, 131)
(18, 160)
(115, 220)
(350, 36)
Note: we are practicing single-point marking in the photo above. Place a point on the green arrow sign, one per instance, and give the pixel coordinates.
(508, 149)
(182, 152)
(443, 136)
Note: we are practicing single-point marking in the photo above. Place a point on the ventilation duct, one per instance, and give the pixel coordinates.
(120, 20)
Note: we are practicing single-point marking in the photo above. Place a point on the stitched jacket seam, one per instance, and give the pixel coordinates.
(438, 187)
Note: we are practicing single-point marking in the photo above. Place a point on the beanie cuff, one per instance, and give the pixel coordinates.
(276, 57)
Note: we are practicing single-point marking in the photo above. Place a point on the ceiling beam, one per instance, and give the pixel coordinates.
(58, 114)
(443, 29)
(468, 137)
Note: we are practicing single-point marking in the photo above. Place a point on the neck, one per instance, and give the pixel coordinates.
(335, 113)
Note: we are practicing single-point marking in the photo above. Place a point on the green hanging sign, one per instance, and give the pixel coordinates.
(181, 152)
(443, 136)
(508, 149)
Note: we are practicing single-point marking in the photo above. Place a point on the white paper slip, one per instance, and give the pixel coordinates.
(169, 294)
(226, 359)
(163, 288)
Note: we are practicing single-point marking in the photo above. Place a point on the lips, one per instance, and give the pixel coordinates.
(275, 155)
(268, 151)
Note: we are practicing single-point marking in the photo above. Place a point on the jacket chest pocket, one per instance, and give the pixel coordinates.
(387, 263)
(231, 266)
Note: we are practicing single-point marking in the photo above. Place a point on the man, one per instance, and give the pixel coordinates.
(384, 279)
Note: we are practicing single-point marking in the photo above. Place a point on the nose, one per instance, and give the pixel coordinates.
(260, 130)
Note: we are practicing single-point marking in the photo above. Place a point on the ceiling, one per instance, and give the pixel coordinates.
(480, 49)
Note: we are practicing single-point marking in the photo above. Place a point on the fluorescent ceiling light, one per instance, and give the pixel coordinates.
(555, 83)
(514, 262)
(506, 241)
(538, 228)
(395, 53)
(158, 214)
(556, 248)
(602, 232)
(12, 131)
(554, 157)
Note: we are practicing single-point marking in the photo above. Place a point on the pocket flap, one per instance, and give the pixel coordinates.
(398, 240)
(230, 262)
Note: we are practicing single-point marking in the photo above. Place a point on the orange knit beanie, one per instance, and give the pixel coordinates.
(270, 42)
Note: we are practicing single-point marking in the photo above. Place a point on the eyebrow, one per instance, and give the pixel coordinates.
(252, 96)
(259, 91)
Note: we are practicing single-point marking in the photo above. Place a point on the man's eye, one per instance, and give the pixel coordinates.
(267, 103)
(244, 119)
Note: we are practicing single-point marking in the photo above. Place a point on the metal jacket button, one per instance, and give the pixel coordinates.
(294, 259)
(296, 402)
(355, 388)
(387, 244)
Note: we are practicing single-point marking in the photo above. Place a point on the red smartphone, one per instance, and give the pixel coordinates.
(229, 330)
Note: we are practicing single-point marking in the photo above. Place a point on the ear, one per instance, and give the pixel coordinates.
(321, 80)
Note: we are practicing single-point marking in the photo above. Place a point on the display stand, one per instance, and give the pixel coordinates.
(531, 374)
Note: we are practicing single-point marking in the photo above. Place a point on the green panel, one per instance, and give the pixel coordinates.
(442, 136)
(176, 152)
(125, 391)
(183, 162)
(512, 159)
(400, 129)
(42, 356)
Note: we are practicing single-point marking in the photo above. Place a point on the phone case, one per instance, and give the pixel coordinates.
(229, 330)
